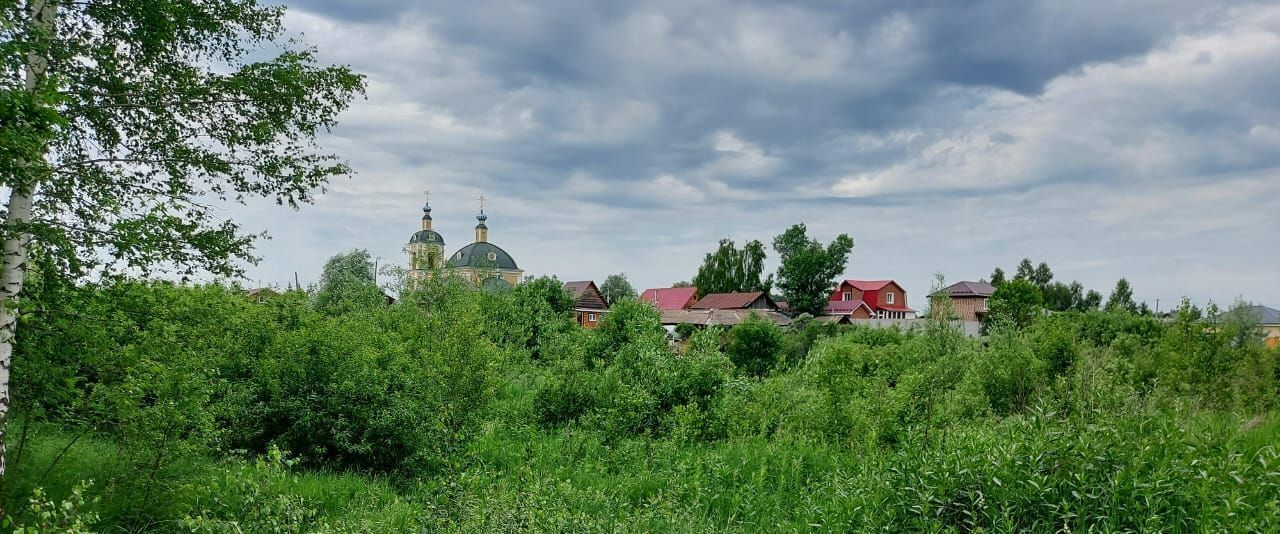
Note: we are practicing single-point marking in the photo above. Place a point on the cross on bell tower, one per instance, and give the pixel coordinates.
(426, 210)
(482, 230)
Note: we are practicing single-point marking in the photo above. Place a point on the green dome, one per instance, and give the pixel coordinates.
(481, 256)
(494, 284)
(427, 236)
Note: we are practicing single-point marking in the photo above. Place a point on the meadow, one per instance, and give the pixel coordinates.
(149, 406)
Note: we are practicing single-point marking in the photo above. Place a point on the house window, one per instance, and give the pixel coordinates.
(847, 296)
(591, 317)
(888, 297)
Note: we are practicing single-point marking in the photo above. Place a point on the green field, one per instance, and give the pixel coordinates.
(194, 409)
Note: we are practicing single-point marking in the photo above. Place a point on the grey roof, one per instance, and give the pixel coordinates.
(1262, 315)
(427, 236)
(971, 289)
(481, 255)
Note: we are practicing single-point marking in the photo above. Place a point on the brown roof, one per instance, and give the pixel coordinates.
(971, 289)
(585, 295)
(719, 317)
(735, 301)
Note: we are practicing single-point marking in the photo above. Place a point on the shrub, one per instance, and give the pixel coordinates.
(754, 345)
(386, 389)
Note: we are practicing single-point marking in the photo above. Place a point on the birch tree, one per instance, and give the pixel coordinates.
(125, 124)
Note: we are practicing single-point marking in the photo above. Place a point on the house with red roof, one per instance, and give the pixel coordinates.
(870, 299)
(671, 298)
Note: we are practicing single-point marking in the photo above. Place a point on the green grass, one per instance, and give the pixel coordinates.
(1188, 473)
(127, 499)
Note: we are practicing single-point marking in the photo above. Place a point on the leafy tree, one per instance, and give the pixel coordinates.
(1042, 275)
(754, 345)
(1121, 298)
(1057, 296)
(616, 287)
(346, 283)
(808, 270)
(125, 122)
(1015, 303)
(682, 283)
(1025, 271)
(997, 277)
(731, 269)
(1092, 300)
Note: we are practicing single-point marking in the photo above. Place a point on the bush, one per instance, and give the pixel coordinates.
(387, 389)
(754, 345)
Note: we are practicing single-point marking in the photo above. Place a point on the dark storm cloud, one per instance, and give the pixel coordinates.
(1043, 128)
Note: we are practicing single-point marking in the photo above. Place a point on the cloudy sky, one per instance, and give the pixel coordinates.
(1109, 138)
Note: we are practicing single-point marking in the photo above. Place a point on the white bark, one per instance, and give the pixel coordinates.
(13, 254)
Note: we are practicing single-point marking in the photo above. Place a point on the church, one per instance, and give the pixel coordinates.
(482, 263)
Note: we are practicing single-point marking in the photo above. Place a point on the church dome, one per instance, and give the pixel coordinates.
(481, 255)
(430, 237)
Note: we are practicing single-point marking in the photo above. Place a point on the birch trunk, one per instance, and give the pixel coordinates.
(14, 252)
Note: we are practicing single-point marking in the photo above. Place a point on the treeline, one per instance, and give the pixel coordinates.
(1032, 292)
(197, 408)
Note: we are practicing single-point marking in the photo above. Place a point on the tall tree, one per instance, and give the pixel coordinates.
(616, 288)
(730, 269)
(1042, 275)
(997, 277)
(125, 122)
(347, 283)
(1092, 300)
(1026, 271)
(809, 270)
(1121, 298)
(682, 283)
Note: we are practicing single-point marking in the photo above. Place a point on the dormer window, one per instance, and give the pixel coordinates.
(888, 297)
(847, 296)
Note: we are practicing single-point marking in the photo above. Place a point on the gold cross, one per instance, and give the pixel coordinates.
(481, 201)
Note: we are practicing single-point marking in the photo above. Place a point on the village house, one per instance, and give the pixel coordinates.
(968, 299)
(870, 299)
(1267, 319)
(726, 309)
(671, 298)
(589, 305)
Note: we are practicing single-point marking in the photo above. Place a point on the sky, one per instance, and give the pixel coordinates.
(1136, 139)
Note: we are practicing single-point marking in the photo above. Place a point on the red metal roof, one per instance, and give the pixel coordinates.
(669, 298)
(869, 285)
(722, 301)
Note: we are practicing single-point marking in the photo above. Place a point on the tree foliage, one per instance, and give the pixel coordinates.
(1121, 298)
(164, 108)
(616, 288)
(346, 283)
(997, 277)
(730, 269)
(1016, 303)
(809, 270)
(755, 345)
(128, 123)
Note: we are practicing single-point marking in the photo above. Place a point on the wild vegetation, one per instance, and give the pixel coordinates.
(165, 407)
